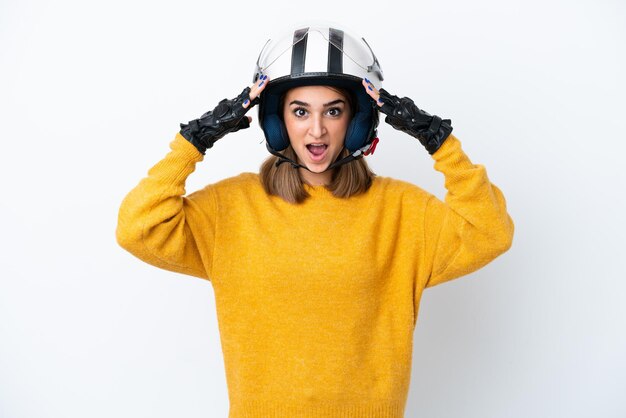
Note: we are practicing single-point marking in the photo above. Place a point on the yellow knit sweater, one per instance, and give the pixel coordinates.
(317, 302)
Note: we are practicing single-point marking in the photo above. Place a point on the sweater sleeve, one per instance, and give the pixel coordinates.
(160, 226)
(472, 227)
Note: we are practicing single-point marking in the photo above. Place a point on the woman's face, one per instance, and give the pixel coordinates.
(316, 119)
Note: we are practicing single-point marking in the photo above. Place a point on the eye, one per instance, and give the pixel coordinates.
(334, 111)
(299, 109)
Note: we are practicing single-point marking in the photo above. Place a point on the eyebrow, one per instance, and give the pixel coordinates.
(299, 103)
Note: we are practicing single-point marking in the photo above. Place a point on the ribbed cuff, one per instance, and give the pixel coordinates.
(451, 157)
(178, 164)
(186, 148)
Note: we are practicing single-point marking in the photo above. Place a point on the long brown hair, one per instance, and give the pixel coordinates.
(348, 179)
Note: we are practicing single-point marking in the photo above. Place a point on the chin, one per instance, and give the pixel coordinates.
(315, 168)
(318, 169)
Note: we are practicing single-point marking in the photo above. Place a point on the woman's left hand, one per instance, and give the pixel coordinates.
(372, 91)
(404, 115)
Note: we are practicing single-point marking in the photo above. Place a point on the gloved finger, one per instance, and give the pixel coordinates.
(387, 108)
(244, 122)
(389, 102)
(241, 100)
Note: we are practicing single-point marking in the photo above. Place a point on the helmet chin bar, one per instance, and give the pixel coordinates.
(359, 153)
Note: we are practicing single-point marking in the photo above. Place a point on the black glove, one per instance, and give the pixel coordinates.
(405, 116)
(228, 116)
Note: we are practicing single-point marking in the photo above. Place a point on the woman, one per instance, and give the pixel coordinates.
(318, 265)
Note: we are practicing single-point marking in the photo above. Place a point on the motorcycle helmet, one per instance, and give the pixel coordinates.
(318, 54)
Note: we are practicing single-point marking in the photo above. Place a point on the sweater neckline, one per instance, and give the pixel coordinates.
(319, 190)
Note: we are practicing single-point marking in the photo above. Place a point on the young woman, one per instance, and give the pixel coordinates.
(318, 265)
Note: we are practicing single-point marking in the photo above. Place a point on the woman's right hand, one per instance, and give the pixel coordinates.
(228, 116)
(255, 91)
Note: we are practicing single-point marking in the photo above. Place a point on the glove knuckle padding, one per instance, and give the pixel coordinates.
(227, 116)
(404, 115)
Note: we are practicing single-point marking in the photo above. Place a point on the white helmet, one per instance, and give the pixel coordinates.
(318, 54)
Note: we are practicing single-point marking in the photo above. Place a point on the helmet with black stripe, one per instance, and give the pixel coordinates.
(318, 54)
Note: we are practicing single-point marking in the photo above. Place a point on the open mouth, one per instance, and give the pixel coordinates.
(317, 152)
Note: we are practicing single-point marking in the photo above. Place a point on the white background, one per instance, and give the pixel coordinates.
(92, 93)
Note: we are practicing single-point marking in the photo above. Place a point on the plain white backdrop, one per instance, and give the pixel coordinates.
(91, 94)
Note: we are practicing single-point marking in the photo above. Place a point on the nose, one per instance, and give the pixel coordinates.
(317, 128)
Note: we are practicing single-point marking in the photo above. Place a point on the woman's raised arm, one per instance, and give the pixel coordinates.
(472, 227)
(156, 222)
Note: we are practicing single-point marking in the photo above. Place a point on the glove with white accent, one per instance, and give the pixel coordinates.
(405, 116)
(228, 116)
